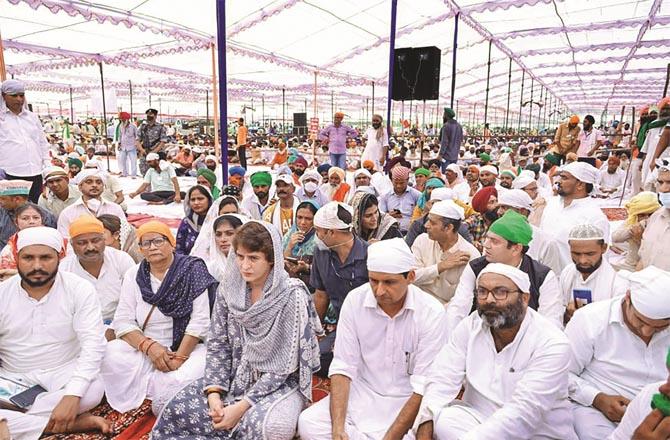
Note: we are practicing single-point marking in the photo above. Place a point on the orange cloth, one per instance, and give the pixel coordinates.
(86, 224)
(280, 157)
(242, 133)
(158, 228)
(341, 192)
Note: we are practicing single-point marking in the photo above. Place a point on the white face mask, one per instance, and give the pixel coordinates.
(320, 244)
(310, 187)
(664, 199)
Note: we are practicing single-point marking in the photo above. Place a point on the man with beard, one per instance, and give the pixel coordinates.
(566, 139)
(376, 143)
(256, 203)
(103, 266)
(281, 211)
(612, 178)
(52, 337)
(513, 363)
(161, 179)
(507, 242)
(573, 205)
(590, 139)
(299, 167)
(506, 179)
(591, 277)
(400, 202)
(488, 175)
(618, 347)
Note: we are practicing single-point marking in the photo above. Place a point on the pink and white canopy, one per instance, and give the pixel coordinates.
(580, 56)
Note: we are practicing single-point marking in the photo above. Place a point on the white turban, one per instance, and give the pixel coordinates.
(442, 194)
(326, 217)
(88, 172)
(448, 209)
(311, 174)
(649, 291)
(517, 276)
(586, 232)
(583, 172)
(39, 235)
(489, 168)
(390, 256)
(363, 171)
(209, 157)
(152, 156)
(12, 86)
(522, 181)
(515, 198)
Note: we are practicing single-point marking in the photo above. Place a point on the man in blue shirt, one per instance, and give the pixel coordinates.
(339, 266)
(451, 137)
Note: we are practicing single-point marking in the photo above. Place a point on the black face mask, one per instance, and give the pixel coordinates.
(376, 125)
(491, 216)
(299, 171)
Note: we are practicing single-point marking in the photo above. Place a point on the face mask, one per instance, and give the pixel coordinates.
(664, 199)
(320, 244)
(310, 187)
(376, 125)
(491, 216)
(299, 172)
(94, 204)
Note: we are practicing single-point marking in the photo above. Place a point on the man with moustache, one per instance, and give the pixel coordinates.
(257, 202)
(513, 363)
(101, 265)
(281, 211)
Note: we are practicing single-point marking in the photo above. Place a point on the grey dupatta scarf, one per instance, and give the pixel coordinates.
(280, 329)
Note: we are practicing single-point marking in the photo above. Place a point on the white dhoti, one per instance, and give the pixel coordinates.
(456, 420)
(591, 424)
(130, 376)
(30, 425)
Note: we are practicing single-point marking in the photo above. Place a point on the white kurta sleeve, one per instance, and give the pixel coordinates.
(635, 413)
(460, 305)
(432, 338)
(87, 324)
(199, 323)
(582, 344)
(347, 350)
(446, 375)
(535, 392)
(125, 320)
(551, 301)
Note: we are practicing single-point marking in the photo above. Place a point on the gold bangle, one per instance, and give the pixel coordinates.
(213, 390)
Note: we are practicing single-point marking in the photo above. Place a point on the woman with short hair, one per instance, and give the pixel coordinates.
(261, 351)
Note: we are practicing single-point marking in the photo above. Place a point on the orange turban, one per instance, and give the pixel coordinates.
(339, 115)
(157, 227)
(86, 224)
(574, 119)
(368, 164)
(663, 102)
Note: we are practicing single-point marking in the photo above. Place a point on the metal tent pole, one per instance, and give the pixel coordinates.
(223, 87)
(453, 60)
(104, 113)
(509, 87)
(389, 94)
(488, 77)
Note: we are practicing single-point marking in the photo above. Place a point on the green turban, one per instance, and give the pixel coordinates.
(552, 159)
(74, 161)
(449, 112)
(534, 167)
(209, 175)
(292, 159)
(484, 157)
(422, 172)
(513, 227)
(261, 178)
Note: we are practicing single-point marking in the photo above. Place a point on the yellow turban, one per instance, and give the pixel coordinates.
(157, 227)
(86, 224)
(645, 202)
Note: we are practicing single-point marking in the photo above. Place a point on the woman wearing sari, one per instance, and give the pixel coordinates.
(196, 204)
(261, 351)
(298, 243)
(162, 316)
(370, 224)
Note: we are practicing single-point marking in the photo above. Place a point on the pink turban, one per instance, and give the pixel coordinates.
(400, 172)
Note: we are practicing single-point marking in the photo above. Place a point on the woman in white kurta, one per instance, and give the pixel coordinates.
(160, 322)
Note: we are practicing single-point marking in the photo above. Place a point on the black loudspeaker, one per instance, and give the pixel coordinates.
(300, 119)
(416, 73)
(300, 131)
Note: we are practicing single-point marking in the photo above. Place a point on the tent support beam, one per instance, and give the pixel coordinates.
(453, 60)
(523, 79)
(104, 113)
(389, 94)
(223, 87)
(488, 78)
(509, 87)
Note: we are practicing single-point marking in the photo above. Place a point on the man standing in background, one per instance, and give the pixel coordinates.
(335, 136)
(242, 133)
(451, 137)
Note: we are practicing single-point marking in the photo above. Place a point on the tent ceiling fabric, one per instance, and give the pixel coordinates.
(589, 55)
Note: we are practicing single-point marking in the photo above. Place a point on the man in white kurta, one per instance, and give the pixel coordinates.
(56, 342)
(573, 206)
(590, 277)
(376, 143)
(513, 364)
(380, 360)
(637, 411)
(505, 242)
(618, 347)
(441, 252)
(98, 264)
(611, 178)
(91, 185)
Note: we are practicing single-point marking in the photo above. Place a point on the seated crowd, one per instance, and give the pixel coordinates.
(443, 301)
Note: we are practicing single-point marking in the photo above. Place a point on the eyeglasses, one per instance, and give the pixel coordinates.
(157, 242)
(499, 293)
